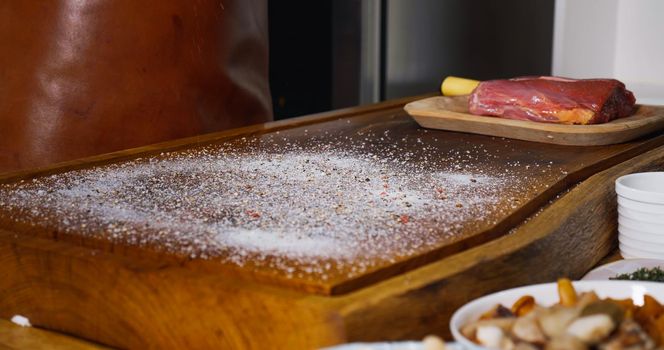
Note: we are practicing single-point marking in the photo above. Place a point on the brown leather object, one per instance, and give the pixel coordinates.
(79, 78)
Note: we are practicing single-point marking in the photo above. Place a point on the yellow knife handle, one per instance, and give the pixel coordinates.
(455, 86)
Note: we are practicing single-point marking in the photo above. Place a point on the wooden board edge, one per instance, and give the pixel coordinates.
(563, 139)
(16, 337)
(135, 303)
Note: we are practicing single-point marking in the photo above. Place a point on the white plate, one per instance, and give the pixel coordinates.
(547, 294)
(619, 267)
(401, 345)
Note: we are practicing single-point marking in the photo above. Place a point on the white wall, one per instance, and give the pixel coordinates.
(623, 39)
(640, 42)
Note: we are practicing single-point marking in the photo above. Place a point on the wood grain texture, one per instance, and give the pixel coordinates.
(17, 337)
(451, 113)
(147, 303)
(133, 297)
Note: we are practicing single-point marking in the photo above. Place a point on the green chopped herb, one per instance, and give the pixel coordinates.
(655, 274)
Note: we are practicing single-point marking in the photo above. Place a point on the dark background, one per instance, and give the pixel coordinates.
(316, 47)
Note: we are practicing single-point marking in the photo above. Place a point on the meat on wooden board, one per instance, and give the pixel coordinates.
(553, 100)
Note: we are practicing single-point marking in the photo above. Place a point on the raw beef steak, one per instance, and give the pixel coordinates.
(553, 100)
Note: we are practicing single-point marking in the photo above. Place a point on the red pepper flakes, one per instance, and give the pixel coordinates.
(440, 193)
(383, 194)
(404, 219)
(253, 214)
(386, 186)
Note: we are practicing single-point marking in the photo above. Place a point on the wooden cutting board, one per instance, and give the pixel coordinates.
(451, 113)
(130, 294)
(463, 190)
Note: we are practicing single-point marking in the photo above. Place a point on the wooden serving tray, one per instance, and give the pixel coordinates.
(129, 294)
(451, 113)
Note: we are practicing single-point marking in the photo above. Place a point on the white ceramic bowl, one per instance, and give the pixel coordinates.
(628, 256)
(657, 248)
(629, 252)
(654, 218)
(656, 229)
(547, 294)
(641, 206)
(643, 187)
(630, 234)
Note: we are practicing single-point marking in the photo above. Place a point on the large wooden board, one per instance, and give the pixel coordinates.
(149, 303)
(136, 296)
(451, 113)
(537, 172)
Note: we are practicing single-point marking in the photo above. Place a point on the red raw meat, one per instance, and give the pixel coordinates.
(553, 100)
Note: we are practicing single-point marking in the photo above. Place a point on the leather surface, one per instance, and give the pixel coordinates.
(79, 78)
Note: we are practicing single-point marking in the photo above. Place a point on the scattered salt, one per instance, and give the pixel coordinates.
(301, 208)
(21, 321)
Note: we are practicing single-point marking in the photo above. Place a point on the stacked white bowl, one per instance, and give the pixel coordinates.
(641, 215)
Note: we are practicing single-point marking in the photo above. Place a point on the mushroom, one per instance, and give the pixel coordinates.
(586, 298)
(591, 329)
(527, 328)
(565, 342)
(498, 311)
(470, 330)
(554, 320)
(432, 342)
(566, 292)
(611, 309)
(494, 338)
(629, 336)
(525, 346)
(523, 305)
